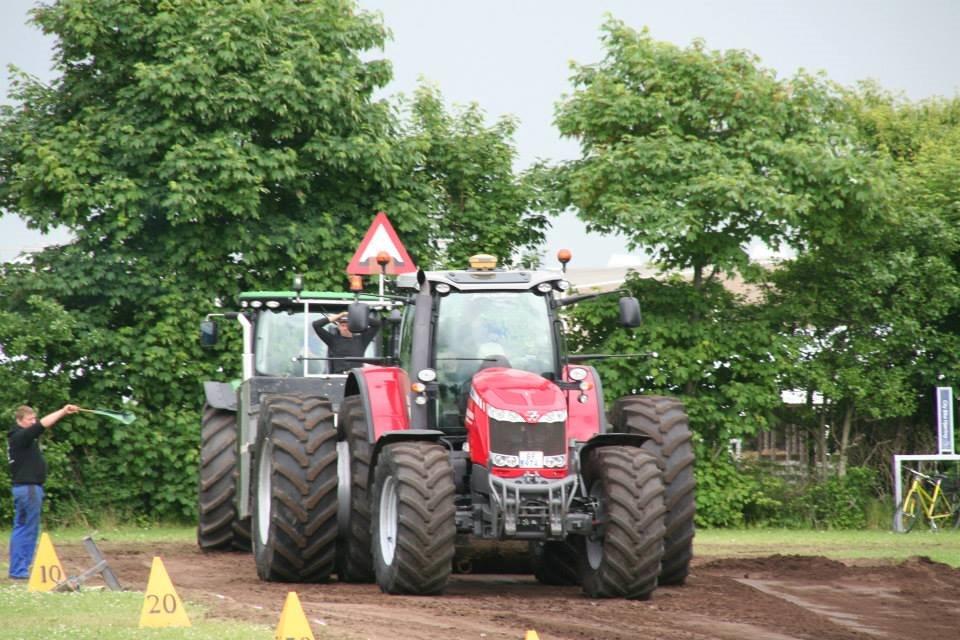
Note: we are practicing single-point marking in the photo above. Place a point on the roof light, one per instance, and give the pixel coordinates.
(442, 288)
(273, 304)
(544, 287)
(483, 262)
(356, 283)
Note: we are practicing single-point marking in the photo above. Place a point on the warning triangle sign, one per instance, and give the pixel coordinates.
(380, 238)
(162, 607)
(293, 622)
(47, 571)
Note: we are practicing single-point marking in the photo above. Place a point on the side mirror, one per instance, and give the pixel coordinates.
(630, 312)
(358, 317)
(208, 333)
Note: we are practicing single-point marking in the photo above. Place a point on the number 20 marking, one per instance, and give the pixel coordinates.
(168, 602)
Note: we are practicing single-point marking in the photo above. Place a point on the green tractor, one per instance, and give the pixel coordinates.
(285, 361)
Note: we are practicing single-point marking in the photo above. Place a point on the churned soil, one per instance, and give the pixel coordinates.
(768, 598)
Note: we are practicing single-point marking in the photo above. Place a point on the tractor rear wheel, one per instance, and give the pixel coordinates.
(664, 421)
(218, 526)
(354, 557)
(555, 562)
(622, 558)
(295, 489)
(413, 518)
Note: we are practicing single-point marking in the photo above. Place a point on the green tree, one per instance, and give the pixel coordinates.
(480, 204)
(877, 302)
(195, 149)
(692, 154)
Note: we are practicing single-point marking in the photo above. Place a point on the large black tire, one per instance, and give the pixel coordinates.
(622, 559)
(218, 528)
(555, 562)
(295, 489)
(413, 518)
(664, 420)
(354, 556)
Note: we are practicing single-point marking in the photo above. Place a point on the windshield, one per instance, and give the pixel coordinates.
(282, 337)
(502, 328)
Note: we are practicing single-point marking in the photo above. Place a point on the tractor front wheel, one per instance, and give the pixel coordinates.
(295, 489)
(621, 559)
(413, 518)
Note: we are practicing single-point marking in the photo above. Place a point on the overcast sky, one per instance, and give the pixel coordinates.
(512, 57)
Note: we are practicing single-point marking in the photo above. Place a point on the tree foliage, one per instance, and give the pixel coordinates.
(195, 150)
(692, 155)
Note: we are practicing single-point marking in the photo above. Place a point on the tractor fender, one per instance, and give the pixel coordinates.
(609, 440)
(386, 398)
(586, 419)
(220, 395)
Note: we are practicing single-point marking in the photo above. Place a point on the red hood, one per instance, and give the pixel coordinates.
(519, 391)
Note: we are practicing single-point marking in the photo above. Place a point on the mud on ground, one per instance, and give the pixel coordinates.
(770, 598)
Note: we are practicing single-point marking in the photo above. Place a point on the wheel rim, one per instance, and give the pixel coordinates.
(343, 489)
(264, 491)
(594, 543)
(388, 520)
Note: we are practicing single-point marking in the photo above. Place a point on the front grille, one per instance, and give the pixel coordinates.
(509, 438)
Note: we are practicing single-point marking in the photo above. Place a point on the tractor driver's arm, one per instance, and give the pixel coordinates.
(371, 331)
(319, 327)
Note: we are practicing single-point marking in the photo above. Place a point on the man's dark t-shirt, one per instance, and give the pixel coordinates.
(339, 346)
(27, 465)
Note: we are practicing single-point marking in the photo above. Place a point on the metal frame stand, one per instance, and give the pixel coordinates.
(100, 567)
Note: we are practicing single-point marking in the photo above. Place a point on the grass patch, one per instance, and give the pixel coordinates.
(102, 615)
(117, 533)
(943, 546)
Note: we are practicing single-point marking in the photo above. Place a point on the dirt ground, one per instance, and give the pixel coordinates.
(769, 598)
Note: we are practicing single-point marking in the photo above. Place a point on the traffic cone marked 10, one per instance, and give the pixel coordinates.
(47, 571)
(162, 607)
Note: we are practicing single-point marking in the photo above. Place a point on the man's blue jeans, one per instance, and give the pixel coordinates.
(27, 505)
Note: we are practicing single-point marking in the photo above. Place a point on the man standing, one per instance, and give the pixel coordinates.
(345, 344)
(28, 472)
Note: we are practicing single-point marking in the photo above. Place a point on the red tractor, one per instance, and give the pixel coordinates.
(484, 427)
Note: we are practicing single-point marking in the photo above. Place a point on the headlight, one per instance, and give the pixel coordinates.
(442, 288)
(501, 460)
(554, 416)
(544, 287)
(554, 461)
(427, 375)
(503, 415)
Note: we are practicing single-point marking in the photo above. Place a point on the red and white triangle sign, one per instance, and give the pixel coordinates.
(380, 238)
